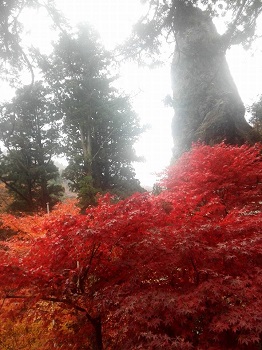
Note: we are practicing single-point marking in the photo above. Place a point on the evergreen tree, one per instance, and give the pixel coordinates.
(256, 115)
(100, 127)
(13, 55)
(205, 99)
(30, 133)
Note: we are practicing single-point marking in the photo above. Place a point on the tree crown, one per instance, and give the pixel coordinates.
(166, 18)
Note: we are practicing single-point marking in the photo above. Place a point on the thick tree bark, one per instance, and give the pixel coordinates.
(207, 105)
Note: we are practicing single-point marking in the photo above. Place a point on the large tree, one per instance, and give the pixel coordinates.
(30, 134)
(99, 124)
(206, 101)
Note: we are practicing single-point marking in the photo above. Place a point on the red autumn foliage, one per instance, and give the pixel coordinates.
(31, 224)
(180, 270)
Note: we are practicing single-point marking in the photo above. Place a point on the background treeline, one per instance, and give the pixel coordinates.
(72, 111)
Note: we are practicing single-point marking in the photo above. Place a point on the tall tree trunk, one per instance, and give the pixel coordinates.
(207, 105)
(40, 158)
(86, 140)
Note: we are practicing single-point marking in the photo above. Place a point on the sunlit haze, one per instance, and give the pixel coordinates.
(113, 20)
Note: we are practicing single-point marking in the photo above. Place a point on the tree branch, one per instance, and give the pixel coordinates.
(14, 189)
(229, 33)
(55, 300)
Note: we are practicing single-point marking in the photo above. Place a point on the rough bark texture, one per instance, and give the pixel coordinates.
(207, 104)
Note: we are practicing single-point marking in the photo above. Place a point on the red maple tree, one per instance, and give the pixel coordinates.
(180, 270)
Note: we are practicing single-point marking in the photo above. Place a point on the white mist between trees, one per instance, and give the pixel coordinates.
(147, 87)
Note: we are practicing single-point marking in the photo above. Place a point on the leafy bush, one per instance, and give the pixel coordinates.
(177, 270)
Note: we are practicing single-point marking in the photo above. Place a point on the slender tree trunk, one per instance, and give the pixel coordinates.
(207, 105)
(30, 191)
(97, 339)
(40, 158)
(86, 140)
(98, 334)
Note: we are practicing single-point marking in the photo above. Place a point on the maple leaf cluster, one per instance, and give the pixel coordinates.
(177, 270)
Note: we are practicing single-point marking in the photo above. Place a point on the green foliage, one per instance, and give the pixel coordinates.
(87, 192)
(13, 56)
(30, 134)
(166, 18)
(256, 115)
(100, 127)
